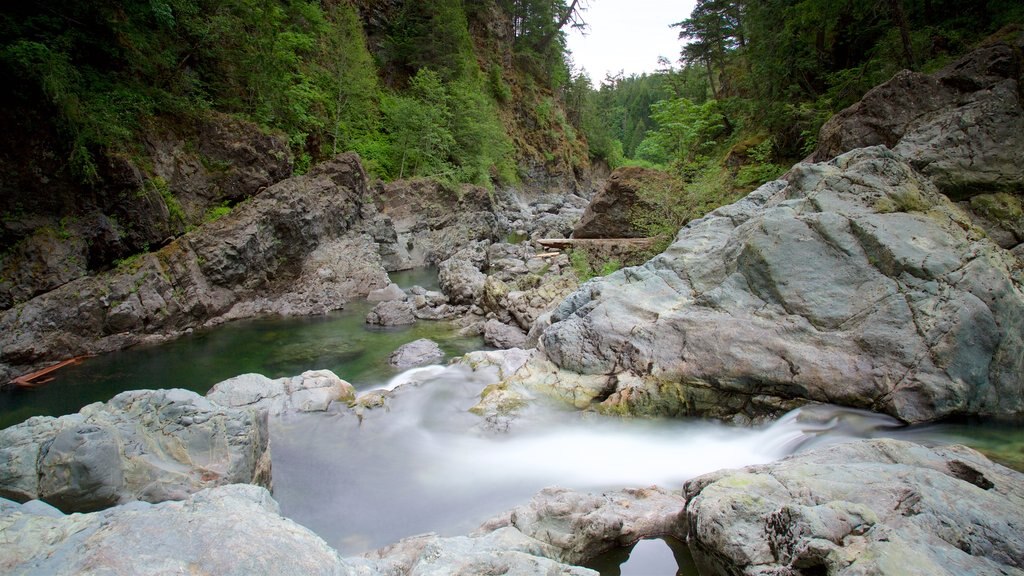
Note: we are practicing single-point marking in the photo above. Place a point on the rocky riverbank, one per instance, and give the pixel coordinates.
(872, 505)
(855, 280)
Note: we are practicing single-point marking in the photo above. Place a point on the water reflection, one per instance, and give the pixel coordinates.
(275, 347)
(649, 557)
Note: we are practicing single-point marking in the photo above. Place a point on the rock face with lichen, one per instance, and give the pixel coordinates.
(872, 507)
(149, 445)
(854, 283)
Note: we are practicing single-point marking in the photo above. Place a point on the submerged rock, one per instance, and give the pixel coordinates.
(870, 507)
(853, 283)
(150, 445)
(390, 292)
(416, 353)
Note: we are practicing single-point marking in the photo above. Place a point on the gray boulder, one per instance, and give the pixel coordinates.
(416, 353)
(855, 283)
(580, 525)
(500, 551)
(150, 445)
(870, 507)
(503, 336)
(230, 530)
(313, 391)
(391, 313)
(962, 127)
(461, 279)
(390, 292)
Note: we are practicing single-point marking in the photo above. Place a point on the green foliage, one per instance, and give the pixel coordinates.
(217, 212)
(610, 266)
(174, 208)
(580, 265)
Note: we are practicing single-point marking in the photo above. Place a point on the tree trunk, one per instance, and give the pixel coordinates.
(900, 19)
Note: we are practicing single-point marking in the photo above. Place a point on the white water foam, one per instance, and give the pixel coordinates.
(423, 464)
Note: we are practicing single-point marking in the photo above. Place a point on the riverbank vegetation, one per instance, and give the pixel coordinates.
(756, 80)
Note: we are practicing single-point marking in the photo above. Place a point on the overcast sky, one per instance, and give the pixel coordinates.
(628, 35)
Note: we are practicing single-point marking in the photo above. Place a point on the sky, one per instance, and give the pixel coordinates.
(628, 35)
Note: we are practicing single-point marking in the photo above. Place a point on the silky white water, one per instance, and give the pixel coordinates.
(424, 463)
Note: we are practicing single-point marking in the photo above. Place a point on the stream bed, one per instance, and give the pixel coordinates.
(426, 464)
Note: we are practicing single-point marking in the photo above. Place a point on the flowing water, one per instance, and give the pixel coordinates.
(426, 464)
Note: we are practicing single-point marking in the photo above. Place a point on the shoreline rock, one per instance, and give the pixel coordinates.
(148, 445)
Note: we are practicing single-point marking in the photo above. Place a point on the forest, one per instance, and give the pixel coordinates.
(438, 88)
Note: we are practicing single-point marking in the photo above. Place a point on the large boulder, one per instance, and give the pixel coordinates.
(230, 530)
(460, 277)
(391, 313)
(251, 261)
(312, 391)
(150, 445)
(962, 127)
(870, 507)
(416, 353)
(853, 283)
(615, 211)
(502, 335)
(580, 525)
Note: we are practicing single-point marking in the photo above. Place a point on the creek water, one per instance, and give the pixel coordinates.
(275, 347)
(425, 463)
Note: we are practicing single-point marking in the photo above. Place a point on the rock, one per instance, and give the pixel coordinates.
(150, 445)
(313, 391)
(503, 336)
(416, 353)
(433, 223)
(501, 551)
(855, 283)
(390, 292)
(868, 507)
(581, 525)
(391, 313)
(461, 280)
(230, 530)
(612, 212)
(248, 262)
(60, 230)
(962, 127)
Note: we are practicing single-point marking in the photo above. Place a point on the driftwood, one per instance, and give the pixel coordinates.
(33, 379)
(562, 243)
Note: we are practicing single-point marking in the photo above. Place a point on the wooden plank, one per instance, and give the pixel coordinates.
(562, 243)
(32, 379)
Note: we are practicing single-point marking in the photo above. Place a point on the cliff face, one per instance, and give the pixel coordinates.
(177, 165)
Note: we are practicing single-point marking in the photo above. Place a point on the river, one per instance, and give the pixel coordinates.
(424, 463)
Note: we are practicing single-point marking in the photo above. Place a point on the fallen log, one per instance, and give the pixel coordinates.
(32, 379)
(563, 243)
